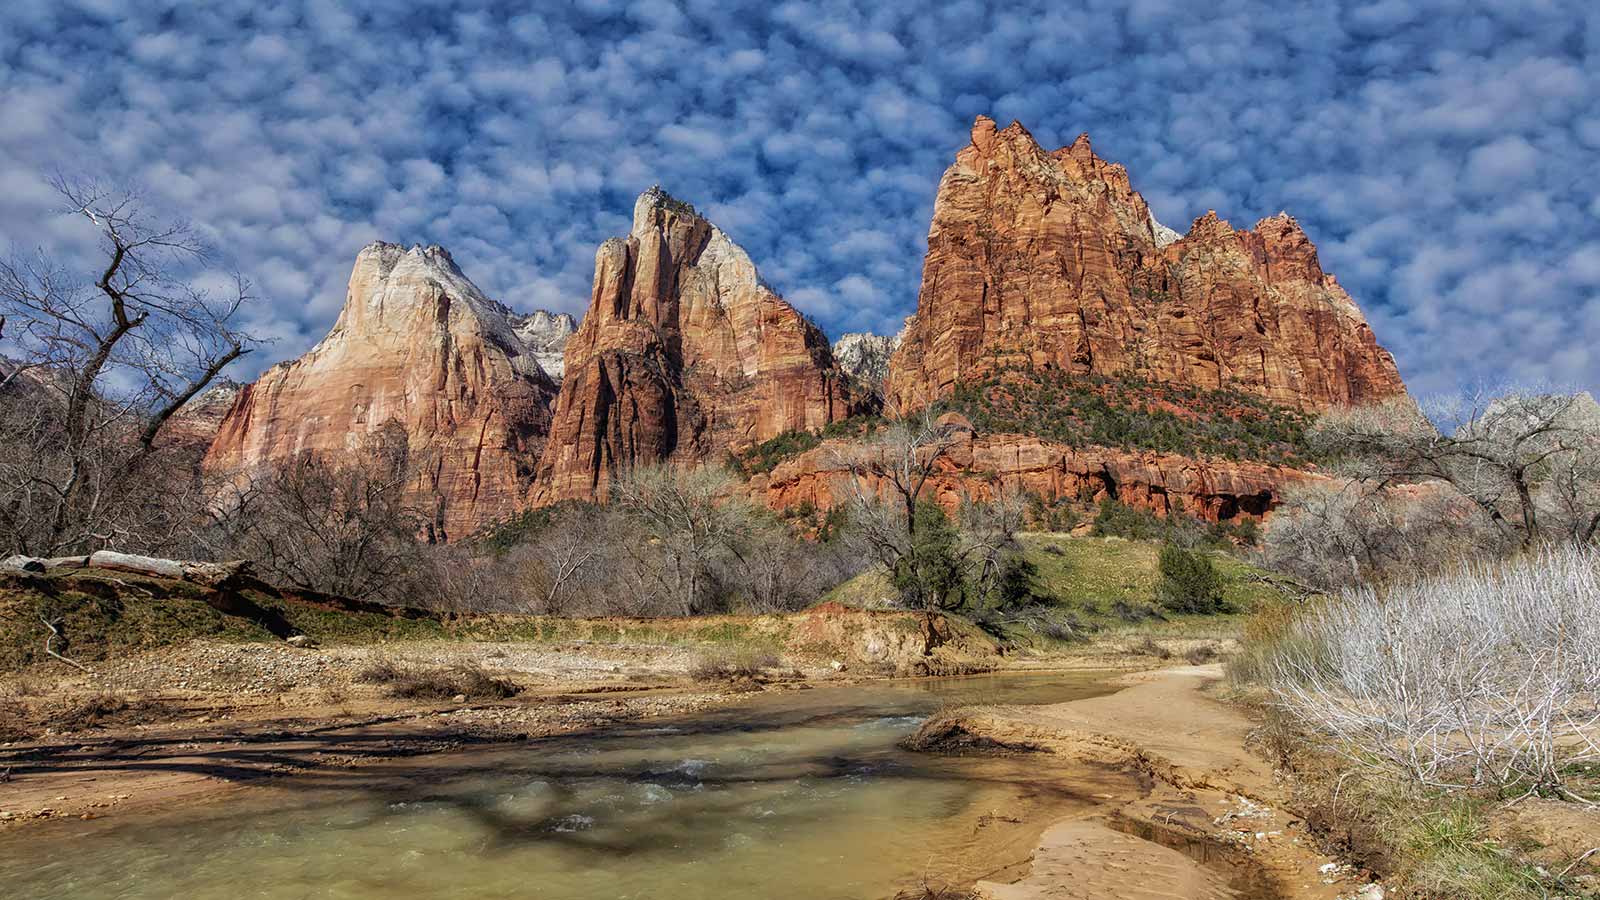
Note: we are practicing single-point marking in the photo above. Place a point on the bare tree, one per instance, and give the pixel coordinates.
(105, 362)
(568, 550)
(888, 475)
(1530, 461)
(900, 458)
(338, 527)
(1344, 532)
(689, 518)
(989, 537)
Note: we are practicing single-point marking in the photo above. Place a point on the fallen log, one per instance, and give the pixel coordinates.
(210, 574)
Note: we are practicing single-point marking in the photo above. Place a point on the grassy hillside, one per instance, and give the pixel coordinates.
(105, 614)
(1106, 584)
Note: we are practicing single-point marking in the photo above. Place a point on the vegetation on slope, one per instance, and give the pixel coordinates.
(1132, 413)
(1085, 584)
(765, 456)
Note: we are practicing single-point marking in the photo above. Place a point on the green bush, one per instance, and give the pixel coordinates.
(930, 575)
(1019, 582)
(1189, 581)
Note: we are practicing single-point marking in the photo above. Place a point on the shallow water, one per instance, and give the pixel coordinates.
(798, 794)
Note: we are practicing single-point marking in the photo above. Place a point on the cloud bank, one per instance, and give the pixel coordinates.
(1440, 153)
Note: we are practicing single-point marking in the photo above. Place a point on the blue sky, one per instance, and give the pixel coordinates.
(1443, 155)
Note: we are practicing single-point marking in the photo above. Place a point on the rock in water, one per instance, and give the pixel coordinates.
(1040, 258)
(419, 345)
(684, 354)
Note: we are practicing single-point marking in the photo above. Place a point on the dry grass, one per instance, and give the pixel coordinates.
(106, 709)
(1148, 647)
(733, 665)
(1200, 654)
(466, 680)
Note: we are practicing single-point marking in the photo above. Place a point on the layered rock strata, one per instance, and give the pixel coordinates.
(980, 467)
(417, 346)
(1051, 259)
(684, 355)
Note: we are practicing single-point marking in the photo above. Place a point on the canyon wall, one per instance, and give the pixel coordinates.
(417, 345)
(684, 354)
(1051, 259)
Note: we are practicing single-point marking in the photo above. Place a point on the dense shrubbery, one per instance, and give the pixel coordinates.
(765, 456)
(1114, 519)
(1189, 581)
(672, 541)
(1133, 414)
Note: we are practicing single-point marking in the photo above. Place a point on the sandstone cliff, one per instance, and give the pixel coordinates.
(546, 334)
(865, 357)
(419, 345)
(982, 465)
(1051, 259)
(683, 355)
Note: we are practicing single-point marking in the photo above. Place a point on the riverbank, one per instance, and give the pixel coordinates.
(178, 724)
(1212, 819)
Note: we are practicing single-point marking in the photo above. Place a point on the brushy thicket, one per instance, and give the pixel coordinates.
(1132, 413)
(766, 456)
(1114, 519)
(414, 682)
(1486, 676)
(671, 541)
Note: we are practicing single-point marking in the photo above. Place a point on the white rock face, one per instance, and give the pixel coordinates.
(546, 335)
(1163, 234)
(866, 356)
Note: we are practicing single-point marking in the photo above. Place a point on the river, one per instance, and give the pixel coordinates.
(784, 794)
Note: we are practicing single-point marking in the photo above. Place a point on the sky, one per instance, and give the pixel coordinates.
(1442, 155)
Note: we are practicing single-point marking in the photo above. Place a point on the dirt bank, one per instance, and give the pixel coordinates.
(1211, 824)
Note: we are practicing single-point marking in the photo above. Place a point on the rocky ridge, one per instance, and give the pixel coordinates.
(865, 356)
(684, 354)
(981, 466)
(546, 334)
(1037, 261)
(1050, 259)
(417, 344)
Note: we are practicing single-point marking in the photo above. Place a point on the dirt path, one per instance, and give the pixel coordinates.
(1211, 825)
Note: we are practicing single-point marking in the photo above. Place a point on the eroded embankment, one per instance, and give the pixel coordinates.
(1211, 822)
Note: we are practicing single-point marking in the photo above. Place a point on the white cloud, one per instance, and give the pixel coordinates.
(1444, 171)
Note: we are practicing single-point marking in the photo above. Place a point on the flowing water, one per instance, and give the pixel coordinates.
(800, 794)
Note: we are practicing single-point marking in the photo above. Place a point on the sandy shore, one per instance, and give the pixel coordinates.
(1212, 822)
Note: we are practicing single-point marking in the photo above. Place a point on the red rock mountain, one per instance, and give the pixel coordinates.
(683, 354)
(419, 345)
(1051, 259)
(980, 466)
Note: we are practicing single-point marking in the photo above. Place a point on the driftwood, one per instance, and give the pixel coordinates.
(210, 574)
(49, 644)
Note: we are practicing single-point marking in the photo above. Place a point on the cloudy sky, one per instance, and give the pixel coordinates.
(1442, 154)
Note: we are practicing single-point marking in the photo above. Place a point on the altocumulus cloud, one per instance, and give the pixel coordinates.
(1441, 153)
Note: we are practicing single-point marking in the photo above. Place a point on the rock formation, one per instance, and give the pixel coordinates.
(683, 355)
(865, 357)
(1051, 259)
(419, 345)
(195, 424)
(981, 465)
(546, 334)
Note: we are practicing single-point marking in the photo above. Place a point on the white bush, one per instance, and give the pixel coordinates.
(1485, 676)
